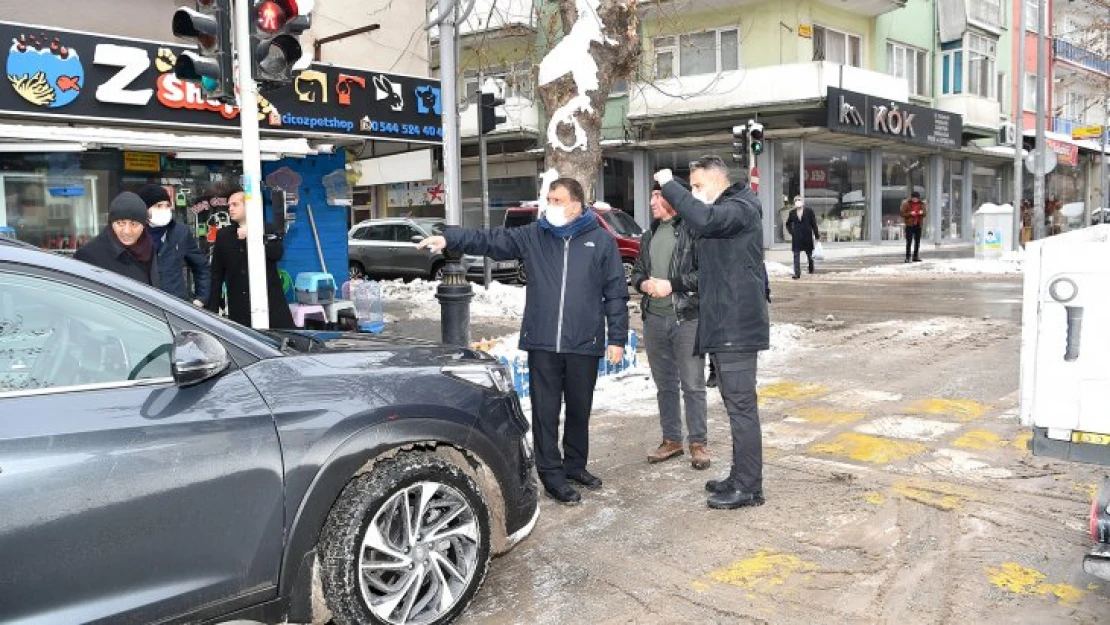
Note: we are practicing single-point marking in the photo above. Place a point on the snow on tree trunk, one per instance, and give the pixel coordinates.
(598, 45)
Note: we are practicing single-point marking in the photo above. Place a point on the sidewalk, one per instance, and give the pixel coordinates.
(844, 259)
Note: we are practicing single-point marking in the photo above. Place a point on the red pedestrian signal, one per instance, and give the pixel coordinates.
(276, 24)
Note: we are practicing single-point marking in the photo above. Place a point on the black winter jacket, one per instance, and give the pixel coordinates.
(733, 311)
(106, 252)
(178, 250)
(682, 272)
(576, 298)
(804, 231)
(229, 265)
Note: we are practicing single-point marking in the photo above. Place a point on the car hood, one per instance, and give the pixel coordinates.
(346, 349)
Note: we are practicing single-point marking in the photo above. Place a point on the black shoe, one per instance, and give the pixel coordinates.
(564, 494)
(795, 276)
(811, 268)
(585, 478)
(718, 486)
(907, 259)
(734, 499)
(711, 381)
(916, 260)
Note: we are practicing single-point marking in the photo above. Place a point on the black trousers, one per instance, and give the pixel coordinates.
(798, 260)
(913, 236)
(736, 379)
(556, 379)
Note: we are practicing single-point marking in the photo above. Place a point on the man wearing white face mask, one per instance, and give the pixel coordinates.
(175, 246)
(733, 321)
(575, 312)
(802, 226)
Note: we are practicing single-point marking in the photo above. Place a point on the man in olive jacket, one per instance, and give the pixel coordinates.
(733, 321)
(666, 272)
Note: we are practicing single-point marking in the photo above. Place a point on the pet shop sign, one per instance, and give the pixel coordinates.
(65, 75)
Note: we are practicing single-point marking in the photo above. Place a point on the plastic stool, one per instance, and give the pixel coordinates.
(332, 309)
(300, 311)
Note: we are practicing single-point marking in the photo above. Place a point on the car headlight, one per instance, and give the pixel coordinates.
(494, 376)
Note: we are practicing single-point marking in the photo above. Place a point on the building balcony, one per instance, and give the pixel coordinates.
(507, 18)
(522, 117)
(760, 87)
(981, 115)
(869, 8)
(1070, 53)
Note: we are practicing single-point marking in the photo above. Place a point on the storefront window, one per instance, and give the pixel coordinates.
(788, 176)
(902, 175)
(986, 186)
(1065, 208)
(678, 161)
(56, 201)
(836, 190)
(951, 202)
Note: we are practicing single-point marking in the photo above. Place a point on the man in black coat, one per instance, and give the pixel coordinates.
(733, 321)
(802, 226)
(124, 246)
(175, 247)
(576, 305)
(229, 266)
(666, 272)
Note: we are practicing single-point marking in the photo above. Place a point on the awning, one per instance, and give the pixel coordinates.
(47, 138)
(1083, 144)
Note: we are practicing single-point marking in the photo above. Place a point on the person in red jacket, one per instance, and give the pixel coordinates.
(913, 213)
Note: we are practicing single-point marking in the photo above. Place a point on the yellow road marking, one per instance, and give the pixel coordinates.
(875, 498)
(822, 415)
(940, 501)
(795, 391)
(763, 571)
(866, 448)
(961, 409)
(979, 440)
(1021, 441)
(1021, 580)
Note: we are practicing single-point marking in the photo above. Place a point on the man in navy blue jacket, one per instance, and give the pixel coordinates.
(175, 246)
(576, 311)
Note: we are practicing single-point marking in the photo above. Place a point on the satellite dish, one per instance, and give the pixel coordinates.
(1050, 161)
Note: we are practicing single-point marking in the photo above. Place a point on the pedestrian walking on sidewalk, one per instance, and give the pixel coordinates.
(733, 323)
(124, 246)
(176, 248)
(802, 226)
(913, 213)
(576, 311)
(666, 272)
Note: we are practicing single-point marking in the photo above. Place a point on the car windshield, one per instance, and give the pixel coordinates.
(621, 223)
(435, 226)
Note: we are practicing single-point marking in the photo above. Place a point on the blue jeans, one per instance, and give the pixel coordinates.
(674, 366)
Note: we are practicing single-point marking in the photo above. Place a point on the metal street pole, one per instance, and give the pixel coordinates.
(1019, 125)
(483, 167)
(252, 169)
(1105, 174)
(1038, 158)
(448, 73)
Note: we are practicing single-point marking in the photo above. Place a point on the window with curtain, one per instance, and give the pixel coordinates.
(911, 64)
(837, 47)
(1029, 97)
(695, 54)
(982, 75)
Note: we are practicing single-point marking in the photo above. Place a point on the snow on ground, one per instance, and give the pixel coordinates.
(775, 269)
(501, 300)
(1009, 263)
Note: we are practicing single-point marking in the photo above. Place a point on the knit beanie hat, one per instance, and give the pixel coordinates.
(127, 205)
(151, 194)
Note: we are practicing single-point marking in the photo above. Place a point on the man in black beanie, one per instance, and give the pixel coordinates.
(124, 246)
(175, 248)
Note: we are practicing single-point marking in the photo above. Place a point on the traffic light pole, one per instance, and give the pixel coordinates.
(252, 169)
(483, 155)
(448, 71)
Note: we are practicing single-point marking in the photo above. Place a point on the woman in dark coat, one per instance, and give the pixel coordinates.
(124, 246)
(229, 265)
(802, 226)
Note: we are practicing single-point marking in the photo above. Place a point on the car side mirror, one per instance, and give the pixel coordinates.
(197, 357)
(416, 238)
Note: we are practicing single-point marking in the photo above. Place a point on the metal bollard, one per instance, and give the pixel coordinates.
(454, 295)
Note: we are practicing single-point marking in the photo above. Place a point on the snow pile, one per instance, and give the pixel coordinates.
(775, 269)
(1010, 263)
(787, 337)
(501, 300)
(923, 328)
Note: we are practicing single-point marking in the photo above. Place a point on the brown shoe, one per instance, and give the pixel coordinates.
(699, 456)
(666, 450)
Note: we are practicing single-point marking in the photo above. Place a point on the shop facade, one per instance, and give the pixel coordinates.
(86, 116)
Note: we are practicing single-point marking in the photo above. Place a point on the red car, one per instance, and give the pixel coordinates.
(615, 221)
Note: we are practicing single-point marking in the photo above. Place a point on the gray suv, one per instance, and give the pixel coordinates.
(386, 248)
(159, 464)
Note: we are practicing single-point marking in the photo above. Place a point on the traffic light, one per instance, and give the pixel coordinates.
(740, 148)
(755, 136)
(488, 119)
(275, 26)
(209, 25)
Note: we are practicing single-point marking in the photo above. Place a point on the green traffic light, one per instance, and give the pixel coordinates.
(209, 84)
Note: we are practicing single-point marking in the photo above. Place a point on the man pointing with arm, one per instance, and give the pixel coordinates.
(576, 310)
(733, 320)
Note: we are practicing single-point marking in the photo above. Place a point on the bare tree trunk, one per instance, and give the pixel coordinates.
(598, 45)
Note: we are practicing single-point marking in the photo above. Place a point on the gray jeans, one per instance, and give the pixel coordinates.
(670, 351)
(736, 379)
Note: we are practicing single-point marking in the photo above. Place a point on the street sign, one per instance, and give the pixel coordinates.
(1086, 132)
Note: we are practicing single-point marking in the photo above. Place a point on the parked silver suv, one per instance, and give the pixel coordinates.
(386, 248)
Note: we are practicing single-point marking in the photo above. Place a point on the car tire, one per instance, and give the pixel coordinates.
(628, 265)
(363, 531)
(521, 273)
(355, 271)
